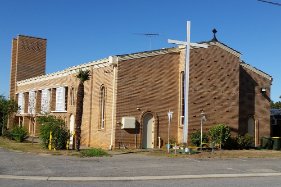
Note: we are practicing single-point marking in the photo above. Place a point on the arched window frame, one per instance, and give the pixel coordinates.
(102, 106)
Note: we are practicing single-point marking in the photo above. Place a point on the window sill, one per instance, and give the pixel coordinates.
(63, 111)
(23, 114)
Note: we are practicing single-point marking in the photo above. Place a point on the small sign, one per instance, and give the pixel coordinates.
(170, 115)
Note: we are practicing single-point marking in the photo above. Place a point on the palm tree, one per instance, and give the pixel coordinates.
(82, 76)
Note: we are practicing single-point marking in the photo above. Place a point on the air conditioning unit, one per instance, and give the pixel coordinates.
(128, 123)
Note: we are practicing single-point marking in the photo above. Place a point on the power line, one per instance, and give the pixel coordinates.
(270, 2)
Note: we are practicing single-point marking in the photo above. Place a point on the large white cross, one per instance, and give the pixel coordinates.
(186, 81)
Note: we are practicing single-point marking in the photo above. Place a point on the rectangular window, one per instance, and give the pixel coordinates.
(60, 99)
(20, 103)
(102, 107)
(45, 101)
(31, 102)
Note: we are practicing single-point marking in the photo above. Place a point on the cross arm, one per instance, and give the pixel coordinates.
(185, 43)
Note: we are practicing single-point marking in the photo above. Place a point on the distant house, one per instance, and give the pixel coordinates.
(275, 119)
(128, 96)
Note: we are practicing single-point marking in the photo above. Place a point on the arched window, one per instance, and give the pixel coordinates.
(102, 107)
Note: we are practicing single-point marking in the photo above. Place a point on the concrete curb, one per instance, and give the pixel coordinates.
(138, 178)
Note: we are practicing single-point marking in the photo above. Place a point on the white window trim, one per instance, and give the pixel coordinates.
(21, 103)
(60, 100)
(31, 102)
(45, 101)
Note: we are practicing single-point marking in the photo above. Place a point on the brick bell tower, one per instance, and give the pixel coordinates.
(28, 60)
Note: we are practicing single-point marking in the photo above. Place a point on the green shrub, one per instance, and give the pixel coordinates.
(19, 133)
(245, 142)
(239, 142)
(57, 126)
(196, 138)
(248, 140)
(231, 143)
(94, 152)
(219, 134)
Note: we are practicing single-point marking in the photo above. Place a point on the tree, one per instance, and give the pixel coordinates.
(7, 107)
(275, 105)
(82, 76)
(58, 128)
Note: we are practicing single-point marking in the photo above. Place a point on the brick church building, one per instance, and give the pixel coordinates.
(128, 96)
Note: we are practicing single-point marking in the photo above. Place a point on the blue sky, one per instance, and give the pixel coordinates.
(79, 31)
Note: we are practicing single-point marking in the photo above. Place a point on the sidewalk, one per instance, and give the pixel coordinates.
(138, 178)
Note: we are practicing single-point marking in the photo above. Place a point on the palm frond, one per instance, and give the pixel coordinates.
(83, 75)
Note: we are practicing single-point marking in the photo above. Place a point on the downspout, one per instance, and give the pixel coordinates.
(256, 133)
(113, 60)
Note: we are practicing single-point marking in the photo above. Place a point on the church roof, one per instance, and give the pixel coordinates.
(97, 64)
(215, 41)
(72, 70)
(147, 53)
(106, 62)
(256, 70)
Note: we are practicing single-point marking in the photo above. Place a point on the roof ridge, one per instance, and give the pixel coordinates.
(66, 71)
(223, 46)
(256, 70)
(31, 37)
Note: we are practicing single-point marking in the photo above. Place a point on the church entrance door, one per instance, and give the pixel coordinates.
(251, 127)
(148, 131)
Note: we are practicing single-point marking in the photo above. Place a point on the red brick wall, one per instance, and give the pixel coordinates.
(13, 69)
(28, 59)
(150, 84)
(214, 88)
(253, 103)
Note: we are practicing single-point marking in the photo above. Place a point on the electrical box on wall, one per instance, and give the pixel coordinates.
(128, 123)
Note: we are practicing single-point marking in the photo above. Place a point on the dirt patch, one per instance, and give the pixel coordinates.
(220, 154)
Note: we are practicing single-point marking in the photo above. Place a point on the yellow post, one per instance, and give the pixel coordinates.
(67, 145)
(50, 141)
(73, 140)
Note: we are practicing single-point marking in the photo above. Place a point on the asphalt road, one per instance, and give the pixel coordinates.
(127, 166)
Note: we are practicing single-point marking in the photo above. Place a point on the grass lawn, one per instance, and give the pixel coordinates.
(33, 148)
(218, 154)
